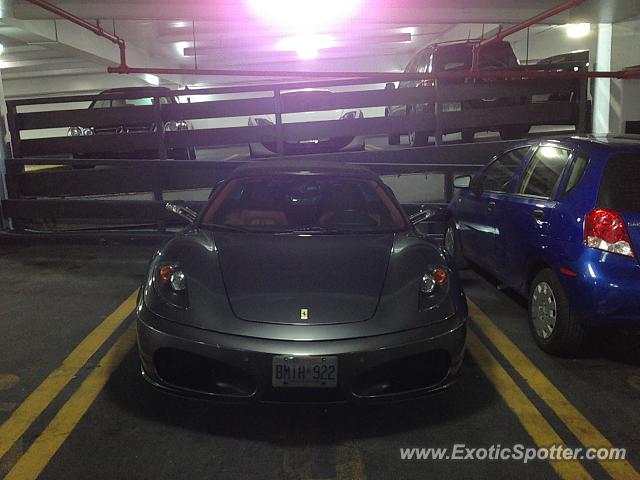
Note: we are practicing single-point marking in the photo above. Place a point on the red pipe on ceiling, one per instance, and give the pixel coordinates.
(520, 26)
(378, 76)
(123, 68)
(99, 31)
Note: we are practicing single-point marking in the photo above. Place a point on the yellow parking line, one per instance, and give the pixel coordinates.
(47, 444)
(582, 428)
(529, 416)
(349, 463)
(297, 463)
(37, 168)
(29, 410)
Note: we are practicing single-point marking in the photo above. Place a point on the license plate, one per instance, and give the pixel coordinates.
(315, 372)
(452, 107)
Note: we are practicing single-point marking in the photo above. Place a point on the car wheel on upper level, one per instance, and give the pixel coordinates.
(452, 245)
(394, 138)
(555, 328)
(418, 139)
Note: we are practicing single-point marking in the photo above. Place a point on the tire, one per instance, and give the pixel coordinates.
(514, 132)
(418, 139)
(563, 336)
(393, 138)
(453, 247)
(468, 136)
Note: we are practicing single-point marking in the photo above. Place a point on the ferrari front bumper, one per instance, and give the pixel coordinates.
(196, 362)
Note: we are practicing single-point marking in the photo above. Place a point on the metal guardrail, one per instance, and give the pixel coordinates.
(63, 195)
(519, 111)
(58, 194)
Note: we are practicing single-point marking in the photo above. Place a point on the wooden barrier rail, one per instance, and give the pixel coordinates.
(512, 107)
(61, 194)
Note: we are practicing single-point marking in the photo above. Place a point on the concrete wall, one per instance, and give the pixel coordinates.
(624, 94)
(548, 40)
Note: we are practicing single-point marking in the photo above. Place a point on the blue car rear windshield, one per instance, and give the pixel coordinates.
(304, 202)
(620, 187)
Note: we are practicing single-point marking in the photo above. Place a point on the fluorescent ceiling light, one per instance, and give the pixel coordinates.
(307, 46)
(151, 79)
(304, 15)
(577, 30)
(180, 46)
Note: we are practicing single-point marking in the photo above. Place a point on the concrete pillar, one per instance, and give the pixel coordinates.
(5, 224)
(616, 101)
(602, 89)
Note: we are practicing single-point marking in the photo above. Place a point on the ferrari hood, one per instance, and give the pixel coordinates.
(296, 279)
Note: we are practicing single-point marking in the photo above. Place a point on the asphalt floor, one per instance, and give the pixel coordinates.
(73, 404)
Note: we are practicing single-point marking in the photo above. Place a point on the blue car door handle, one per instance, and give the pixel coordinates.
(538, 214)
(491, 205)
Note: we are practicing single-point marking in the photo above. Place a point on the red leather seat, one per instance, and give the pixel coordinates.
(262, 217)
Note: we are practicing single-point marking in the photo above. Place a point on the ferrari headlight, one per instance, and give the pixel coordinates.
(171, 284)
(351, 115)
(261, 122)
(434, 286)
(175, 126)
(79, 132)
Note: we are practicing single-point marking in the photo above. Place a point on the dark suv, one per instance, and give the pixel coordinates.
(457, 56)
(110, 102)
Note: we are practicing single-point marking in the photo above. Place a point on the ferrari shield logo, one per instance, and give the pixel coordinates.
(304, 314)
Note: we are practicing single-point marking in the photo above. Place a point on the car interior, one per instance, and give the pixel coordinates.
(327, 202)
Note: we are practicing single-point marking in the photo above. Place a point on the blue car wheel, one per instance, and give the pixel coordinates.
(553, 325)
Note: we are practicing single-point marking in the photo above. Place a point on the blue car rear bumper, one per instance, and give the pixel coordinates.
(606, 290)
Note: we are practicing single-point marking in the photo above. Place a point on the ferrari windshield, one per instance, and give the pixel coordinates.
(309, 203)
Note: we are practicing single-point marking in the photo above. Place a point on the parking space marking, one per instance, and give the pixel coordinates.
(296, 463)
(577, 423)
(350, 463)
(36, 458)
(31, 408)
(11, 458)
(529, 416)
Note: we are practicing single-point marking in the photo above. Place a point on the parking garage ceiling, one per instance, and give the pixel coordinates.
(229, 35)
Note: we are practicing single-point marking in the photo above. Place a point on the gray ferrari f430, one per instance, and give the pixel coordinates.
(301, 282)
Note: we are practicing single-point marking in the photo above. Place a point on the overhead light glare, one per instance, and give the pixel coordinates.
(180, 46)
(304, 15)
(306, 46)
(151, 79)
(577, 30)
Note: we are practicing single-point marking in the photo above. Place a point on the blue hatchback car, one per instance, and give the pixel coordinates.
(559, 222)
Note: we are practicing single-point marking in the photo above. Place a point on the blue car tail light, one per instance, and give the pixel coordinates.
(605, 230)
